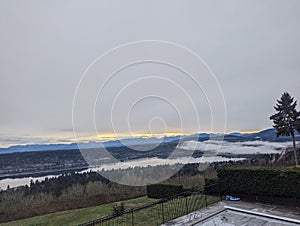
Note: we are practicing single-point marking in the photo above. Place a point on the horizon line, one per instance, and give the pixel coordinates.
(108, 137)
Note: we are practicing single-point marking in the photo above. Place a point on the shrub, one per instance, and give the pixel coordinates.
(118, 210)
(161, 190)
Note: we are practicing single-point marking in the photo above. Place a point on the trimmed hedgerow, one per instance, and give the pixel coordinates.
(212, 185)
(162, 190)
(279, 182)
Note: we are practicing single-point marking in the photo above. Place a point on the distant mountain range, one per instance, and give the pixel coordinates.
(264, 135)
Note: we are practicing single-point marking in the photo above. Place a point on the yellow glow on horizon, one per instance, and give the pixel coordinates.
(250, 131)
(112, 136)
(102, 137)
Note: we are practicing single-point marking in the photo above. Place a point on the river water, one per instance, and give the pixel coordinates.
(15, 182)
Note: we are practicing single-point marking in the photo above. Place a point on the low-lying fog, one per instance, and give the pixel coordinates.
(247, 147)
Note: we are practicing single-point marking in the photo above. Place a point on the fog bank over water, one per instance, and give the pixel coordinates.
(247, 147)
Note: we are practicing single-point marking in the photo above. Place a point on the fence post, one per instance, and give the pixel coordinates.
(220, 193)
(162, 213)
(132, 223)
(186, 205)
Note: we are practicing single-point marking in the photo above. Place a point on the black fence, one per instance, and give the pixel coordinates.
(161, 211)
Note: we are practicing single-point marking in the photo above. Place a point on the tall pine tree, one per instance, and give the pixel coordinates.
(298, 123)
(286, 118)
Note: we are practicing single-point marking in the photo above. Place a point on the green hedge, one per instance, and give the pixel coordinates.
(161, 190)
(212, 185)
(280, 182)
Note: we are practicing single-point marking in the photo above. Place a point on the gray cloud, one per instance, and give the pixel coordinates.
(252, 46)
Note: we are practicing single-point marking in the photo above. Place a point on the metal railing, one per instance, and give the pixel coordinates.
(161, 211)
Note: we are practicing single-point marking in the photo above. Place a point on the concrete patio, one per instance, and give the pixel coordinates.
(240, 213)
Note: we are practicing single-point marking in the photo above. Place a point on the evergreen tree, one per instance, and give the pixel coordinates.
(298, 123)
(286, 118)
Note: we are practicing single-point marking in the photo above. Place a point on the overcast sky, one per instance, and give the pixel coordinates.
(253, 47)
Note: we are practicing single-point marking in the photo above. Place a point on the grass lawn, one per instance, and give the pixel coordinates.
(77, 216)
(149, 216)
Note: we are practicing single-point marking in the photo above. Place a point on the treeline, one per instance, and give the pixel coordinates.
(57, 185)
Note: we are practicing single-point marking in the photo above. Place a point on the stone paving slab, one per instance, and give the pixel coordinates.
(232, 218)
